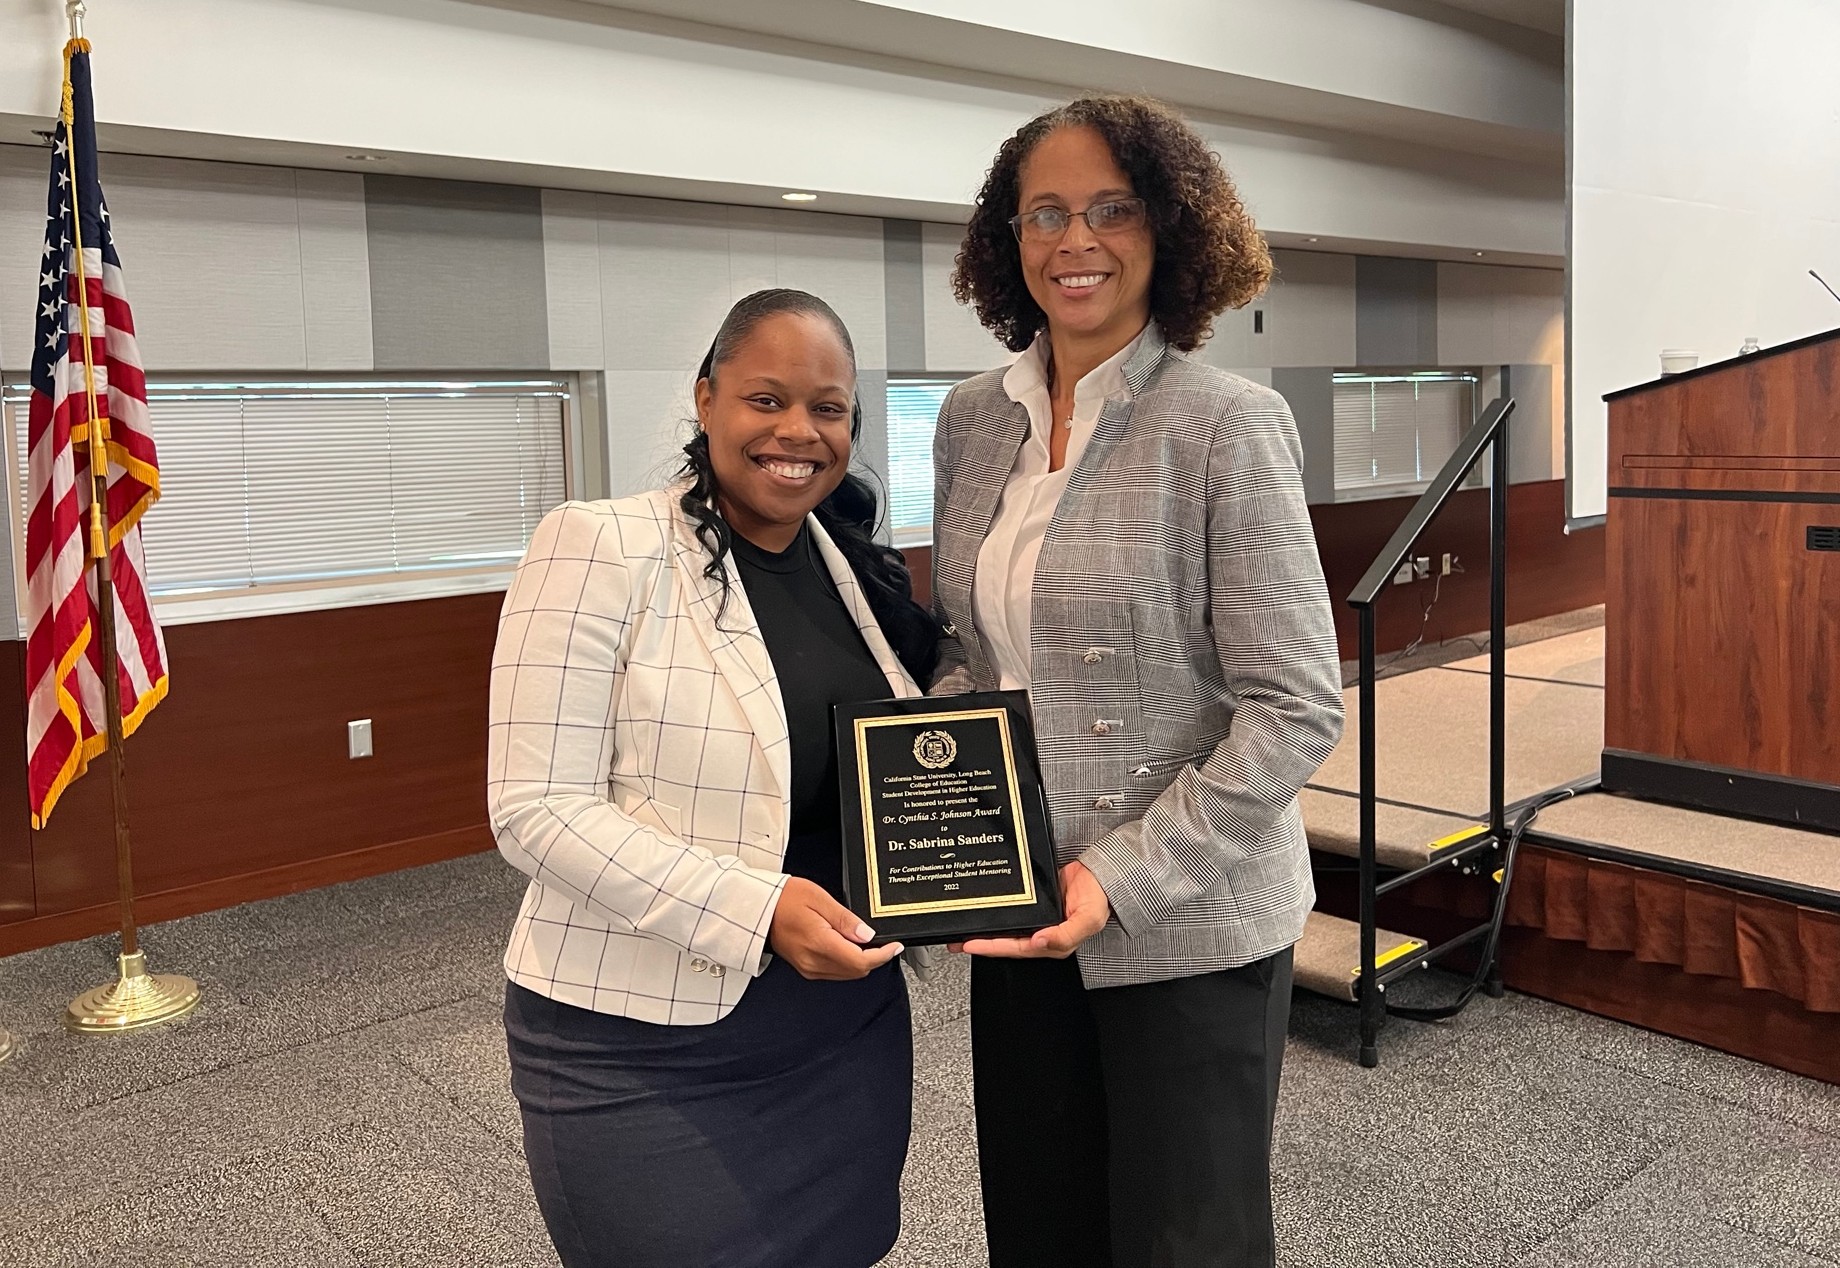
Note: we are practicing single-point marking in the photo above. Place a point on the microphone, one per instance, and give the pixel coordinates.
(1824, 286)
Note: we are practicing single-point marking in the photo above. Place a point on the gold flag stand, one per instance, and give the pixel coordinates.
(136, 998)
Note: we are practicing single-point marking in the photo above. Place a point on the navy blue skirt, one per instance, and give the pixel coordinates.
(773, 1138)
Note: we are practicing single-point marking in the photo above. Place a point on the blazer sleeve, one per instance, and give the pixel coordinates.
(953, 676)
(1274, 634)
(556, 673)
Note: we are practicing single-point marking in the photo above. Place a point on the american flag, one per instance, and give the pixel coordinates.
(87, 387)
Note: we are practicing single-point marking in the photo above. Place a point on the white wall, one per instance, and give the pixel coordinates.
(544, 96)
(1377, 52)
(1704, 187)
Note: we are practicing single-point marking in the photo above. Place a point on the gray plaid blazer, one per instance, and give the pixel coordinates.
(1185, 675)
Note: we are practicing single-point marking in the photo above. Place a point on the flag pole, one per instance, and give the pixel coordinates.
(136, 998)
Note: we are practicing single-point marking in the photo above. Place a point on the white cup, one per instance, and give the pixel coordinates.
(1675, 360)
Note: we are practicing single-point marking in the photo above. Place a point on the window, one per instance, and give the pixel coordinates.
(306, 484)
(913, 410)
(1394, 432)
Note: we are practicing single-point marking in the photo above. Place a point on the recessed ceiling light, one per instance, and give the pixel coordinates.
(1479, 253)
(365, 158)
(1312, 239)
(800, 198)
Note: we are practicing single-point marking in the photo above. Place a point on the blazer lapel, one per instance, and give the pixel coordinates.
(994, 439)
(1115, 417)
(736, 647)
(850, 590)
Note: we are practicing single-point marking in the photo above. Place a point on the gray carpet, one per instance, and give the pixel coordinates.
(1795, 855)
(340, 1099)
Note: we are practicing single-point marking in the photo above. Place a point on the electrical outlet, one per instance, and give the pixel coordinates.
(1449, 559)
(358, 738)
(1423, 564)
(1404, 575)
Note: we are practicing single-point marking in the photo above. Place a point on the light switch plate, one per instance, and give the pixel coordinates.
(358, 738)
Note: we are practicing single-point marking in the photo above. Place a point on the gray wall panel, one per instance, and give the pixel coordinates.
(457, 275)
(24, 173)
(871, 448)
(838, 259)
(1309, 312)
(335, 272)
(904, 278)
(1530, 430)
(954, 339)
(1396, 304)
(1233, 344)
(665, 281)
(572, 279)
(212, 257)
(650, 414)
(1310, 392)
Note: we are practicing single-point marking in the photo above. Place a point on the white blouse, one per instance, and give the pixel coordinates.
(1002, 592)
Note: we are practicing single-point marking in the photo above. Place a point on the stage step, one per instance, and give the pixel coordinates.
(1404, 837)
(1328, 959)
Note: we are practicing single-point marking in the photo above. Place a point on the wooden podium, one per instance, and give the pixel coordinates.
(1722, 587)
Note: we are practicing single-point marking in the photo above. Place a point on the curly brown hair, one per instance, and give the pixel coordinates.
(1209, 255)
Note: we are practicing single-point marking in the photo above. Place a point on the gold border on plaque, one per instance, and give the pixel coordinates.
(878, 908)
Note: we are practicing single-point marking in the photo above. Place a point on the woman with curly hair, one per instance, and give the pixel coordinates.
(1121, 531)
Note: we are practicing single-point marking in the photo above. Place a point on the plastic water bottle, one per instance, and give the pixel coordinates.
(1750, 345)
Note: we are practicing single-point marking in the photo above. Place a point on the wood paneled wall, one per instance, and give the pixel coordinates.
(240, 787)
(1549, 570)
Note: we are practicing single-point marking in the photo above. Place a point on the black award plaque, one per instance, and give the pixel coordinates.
(945, 828)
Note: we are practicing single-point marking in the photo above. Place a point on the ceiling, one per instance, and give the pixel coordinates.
(1536, 15)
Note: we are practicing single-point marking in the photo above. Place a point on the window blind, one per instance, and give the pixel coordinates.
(913, 411)
(1397, 431)
(282, 483)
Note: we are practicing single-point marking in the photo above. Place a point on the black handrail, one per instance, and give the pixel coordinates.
(1399, 546)
(1490, 431)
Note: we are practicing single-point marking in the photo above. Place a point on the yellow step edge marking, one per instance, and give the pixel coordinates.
(1459, 837)
(1410, 947)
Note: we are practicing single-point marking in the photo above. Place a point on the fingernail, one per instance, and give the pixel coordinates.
(863, 932)
(898, 948)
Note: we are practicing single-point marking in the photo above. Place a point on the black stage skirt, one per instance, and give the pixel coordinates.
(773, 1138)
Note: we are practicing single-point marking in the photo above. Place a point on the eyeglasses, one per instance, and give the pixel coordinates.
(1047, 224)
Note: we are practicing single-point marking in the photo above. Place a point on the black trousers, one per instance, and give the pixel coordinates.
(1127, 1127)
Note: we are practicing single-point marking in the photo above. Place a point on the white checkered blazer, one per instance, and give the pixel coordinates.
(639, 768)
(1182, 653)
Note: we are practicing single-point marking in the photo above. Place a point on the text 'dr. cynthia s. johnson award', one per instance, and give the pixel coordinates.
(945, 828)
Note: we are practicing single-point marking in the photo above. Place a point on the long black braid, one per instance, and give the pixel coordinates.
(850, 514)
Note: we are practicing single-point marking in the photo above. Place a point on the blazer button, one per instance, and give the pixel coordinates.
(1104, 803)
(716, 970)
(1092, 657)
(698, 964)
(1101, 728)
